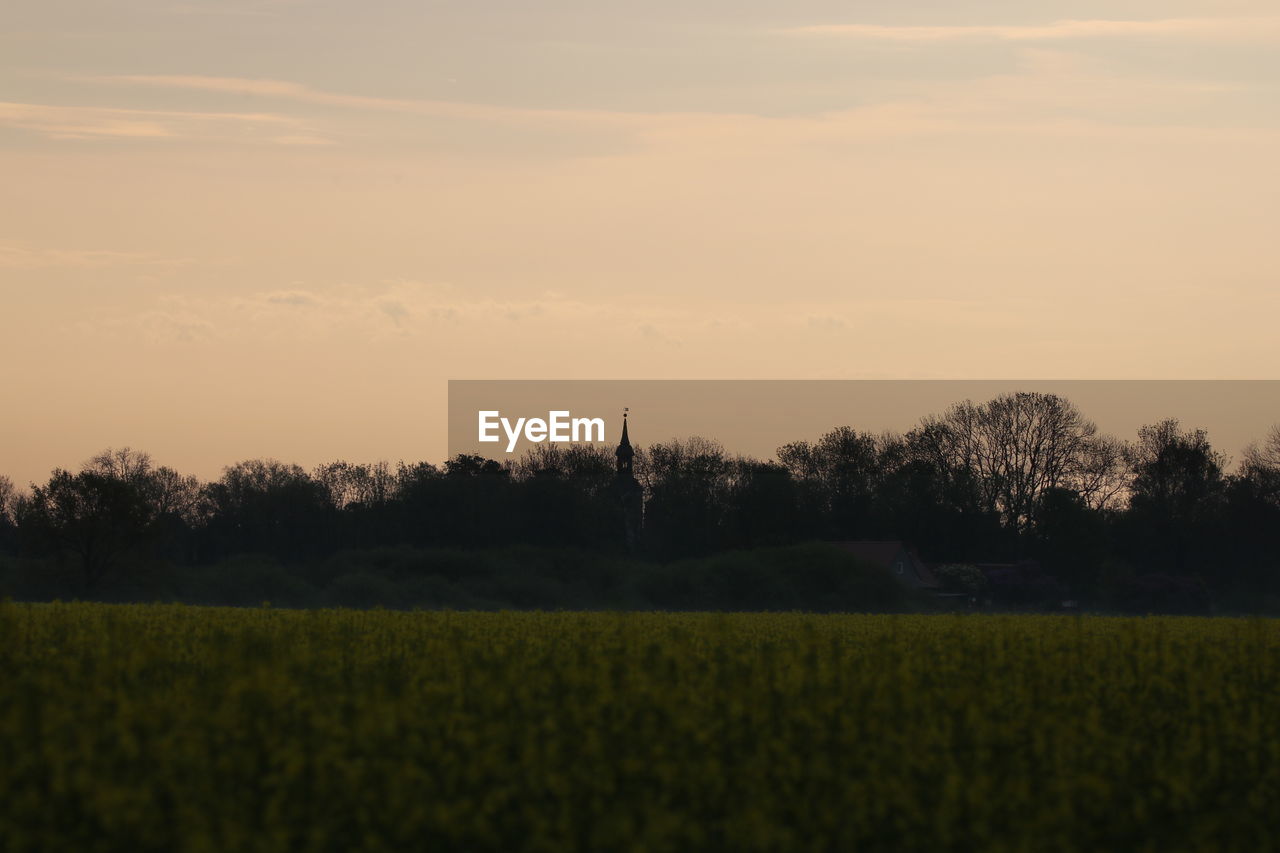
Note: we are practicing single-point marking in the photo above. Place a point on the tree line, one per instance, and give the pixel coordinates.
(1022, 479)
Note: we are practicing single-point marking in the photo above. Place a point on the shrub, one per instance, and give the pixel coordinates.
(245, 581)
(363, 590)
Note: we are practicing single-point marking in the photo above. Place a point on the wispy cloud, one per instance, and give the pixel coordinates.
(396, 309)
(299, 298)
(297, 92)
(82, 122)
(18, 256)
(391, 310)
(1197, 29)
(173, 326)
(302, 139)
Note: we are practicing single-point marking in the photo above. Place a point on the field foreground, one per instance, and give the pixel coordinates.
(157, 727)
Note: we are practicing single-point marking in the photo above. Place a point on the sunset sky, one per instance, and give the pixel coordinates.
(250, 228)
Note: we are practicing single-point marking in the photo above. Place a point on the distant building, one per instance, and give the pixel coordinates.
(896, 557)
(627, 489)
(1020, 584)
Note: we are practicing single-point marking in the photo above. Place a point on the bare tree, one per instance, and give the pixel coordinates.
(1102, 475)
(841, 455)
(169, 493)
(1016, 447)
(410, 475)
(1261, 467)
(126, 464)
(687, 482)
(348, 484)
(176, 495)
(1264, 457)
(541, 460)
(8, 500)
(591, 466)
(694, 459)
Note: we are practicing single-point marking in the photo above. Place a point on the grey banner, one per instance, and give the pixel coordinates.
(755, 417)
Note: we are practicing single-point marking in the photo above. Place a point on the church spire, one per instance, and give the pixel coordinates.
(628, 492)
(625, 453)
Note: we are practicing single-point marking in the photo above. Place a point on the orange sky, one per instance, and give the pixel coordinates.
(265, 228)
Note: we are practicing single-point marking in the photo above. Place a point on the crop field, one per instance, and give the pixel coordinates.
(159, 727)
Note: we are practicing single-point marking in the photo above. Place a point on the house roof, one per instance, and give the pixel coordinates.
(883, 553)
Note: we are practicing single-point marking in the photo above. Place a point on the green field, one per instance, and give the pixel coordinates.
(159, 727)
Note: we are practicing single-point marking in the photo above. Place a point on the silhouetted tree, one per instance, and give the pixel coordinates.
(761, 505)
(1021, 475)
(1101, 473)
(842, 470)
(1014, 448)
(346, 484)
(1261, 465)
(414, 509)
(1176, 498)
(1175, 473)
(473, 502)
(100, 519)
(125, 464)
(9, 502)
(686, 482)
(175, 498)
(1070, 540)
(261, 505)
(939, 501)
(1253, 526)
(564, 496)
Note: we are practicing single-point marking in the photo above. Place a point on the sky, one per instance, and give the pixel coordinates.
(276, 228)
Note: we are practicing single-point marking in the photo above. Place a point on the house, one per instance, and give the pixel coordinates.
(1020, 584)
(897, 558)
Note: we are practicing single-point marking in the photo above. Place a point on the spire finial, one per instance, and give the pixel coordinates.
(624, 446)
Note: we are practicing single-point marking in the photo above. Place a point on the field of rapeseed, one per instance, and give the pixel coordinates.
(156, 727)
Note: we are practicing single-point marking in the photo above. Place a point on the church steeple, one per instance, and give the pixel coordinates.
(625, 453)
(627, 490)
